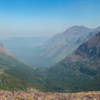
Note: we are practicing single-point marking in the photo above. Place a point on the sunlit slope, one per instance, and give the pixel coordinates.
(15, 73)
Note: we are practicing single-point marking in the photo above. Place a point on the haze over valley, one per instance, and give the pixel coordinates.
(49, 50)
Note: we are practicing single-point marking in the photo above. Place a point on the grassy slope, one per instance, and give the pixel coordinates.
(17, 74)
(78, 72)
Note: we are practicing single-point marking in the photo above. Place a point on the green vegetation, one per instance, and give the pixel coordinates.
(8, 82)
(15, 74)
(79, 71)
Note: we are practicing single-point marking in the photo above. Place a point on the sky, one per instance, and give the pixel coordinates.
(46, 17)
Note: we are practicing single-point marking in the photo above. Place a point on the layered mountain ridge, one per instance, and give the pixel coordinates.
(80, 71)
(63, 44)
(46, 52)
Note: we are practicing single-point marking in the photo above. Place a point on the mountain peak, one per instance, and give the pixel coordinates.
(77, 29)
(78, 26)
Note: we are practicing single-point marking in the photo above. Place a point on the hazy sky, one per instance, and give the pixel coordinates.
(46, 17)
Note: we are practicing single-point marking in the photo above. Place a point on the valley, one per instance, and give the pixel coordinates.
(49, 49)
(70, 79)
(46, 51)
(79, 71)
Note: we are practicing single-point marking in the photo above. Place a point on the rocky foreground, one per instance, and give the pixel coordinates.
(36, 95)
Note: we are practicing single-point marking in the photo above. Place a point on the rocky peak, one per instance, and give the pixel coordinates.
(77, 29)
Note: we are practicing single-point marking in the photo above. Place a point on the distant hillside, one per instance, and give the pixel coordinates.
(44, 52)
(79, 71)
(63, 44)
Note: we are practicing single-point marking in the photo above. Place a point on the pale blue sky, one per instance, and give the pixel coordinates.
(46, 17)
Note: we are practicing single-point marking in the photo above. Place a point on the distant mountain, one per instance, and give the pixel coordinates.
(80, 71)
(16, 74)
(44, 52)
(63, 44)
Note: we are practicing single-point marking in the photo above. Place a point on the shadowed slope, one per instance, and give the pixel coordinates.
(79, 71)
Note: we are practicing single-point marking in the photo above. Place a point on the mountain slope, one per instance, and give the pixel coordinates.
(26, 48)
(16, 74)
(65, 43)
(61, 45)
(79, 71)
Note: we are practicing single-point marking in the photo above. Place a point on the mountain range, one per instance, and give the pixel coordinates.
(46, 52)
(63, 44)
(80, 71)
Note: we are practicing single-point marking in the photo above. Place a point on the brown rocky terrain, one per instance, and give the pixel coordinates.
(36, 95)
